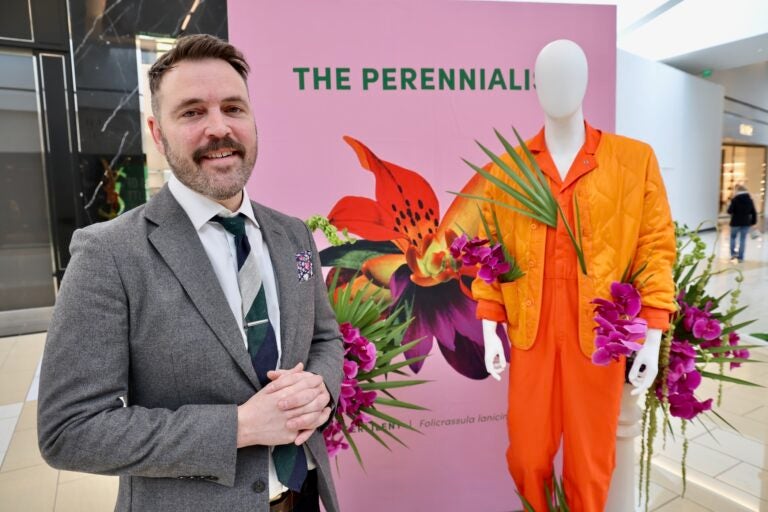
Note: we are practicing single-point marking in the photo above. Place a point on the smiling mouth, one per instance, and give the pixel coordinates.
(215, 155)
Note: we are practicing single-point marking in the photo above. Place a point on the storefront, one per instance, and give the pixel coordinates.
(72, 151)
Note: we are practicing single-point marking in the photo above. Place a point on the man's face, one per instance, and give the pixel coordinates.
(205, 127)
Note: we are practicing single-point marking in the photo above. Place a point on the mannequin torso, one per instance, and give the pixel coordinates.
(561, 82)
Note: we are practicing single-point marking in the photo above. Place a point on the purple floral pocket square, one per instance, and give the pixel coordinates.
(304, 265)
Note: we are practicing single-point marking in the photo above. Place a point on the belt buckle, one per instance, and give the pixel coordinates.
(283, 503)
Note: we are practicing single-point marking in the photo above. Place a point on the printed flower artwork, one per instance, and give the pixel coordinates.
(405, 251)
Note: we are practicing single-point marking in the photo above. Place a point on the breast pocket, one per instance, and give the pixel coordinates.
(304, 268)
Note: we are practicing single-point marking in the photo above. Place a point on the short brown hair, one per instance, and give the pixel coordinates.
(195, 47)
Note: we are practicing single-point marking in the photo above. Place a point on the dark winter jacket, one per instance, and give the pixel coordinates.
(742, 210)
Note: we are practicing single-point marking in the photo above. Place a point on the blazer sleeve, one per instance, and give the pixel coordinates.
(656, 247)
(326, 354)
(82, 423)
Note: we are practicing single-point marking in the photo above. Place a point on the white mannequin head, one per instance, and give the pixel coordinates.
(561, 78)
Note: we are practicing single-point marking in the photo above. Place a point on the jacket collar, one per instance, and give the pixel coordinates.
(584, 162)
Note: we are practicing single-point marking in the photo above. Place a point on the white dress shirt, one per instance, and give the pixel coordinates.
(219, 244)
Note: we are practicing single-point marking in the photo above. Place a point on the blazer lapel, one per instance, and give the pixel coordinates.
(179, 245)
(283, 255)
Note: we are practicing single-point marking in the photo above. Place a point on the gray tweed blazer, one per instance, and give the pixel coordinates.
(141, 320)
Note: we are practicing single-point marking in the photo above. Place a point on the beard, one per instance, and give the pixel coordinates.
(217, 184)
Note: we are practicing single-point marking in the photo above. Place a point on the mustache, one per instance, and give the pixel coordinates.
(216, 145)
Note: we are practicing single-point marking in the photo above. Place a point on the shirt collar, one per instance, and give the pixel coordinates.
(591, 140)
(201, 209)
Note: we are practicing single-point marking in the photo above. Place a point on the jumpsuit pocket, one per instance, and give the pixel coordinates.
(509, 293)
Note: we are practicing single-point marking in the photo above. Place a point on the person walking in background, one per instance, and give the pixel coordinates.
(743, 216)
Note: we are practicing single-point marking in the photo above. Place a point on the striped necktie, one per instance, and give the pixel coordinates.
(290, 460)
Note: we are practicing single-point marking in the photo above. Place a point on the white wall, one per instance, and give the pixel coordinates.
(681, 116)
(747, 83)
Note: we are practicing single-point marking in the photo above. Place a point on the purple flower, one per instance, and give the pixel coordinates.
(334, 438)
(358, 348)
(686, 406)
(493, 265)
(618, 329)
(470, 252)
(350, 369)
(691, 315)
(683, 349)
(607, 310)
(682, 380)
(707, 328)
(741, 353)
(359, 356)
(627, 298)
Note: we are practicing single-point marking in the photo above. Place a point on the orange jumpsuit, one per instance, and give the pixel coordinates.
(554, 388)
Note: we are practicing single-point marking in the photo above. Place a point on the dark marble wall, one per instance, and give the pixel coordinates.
(105, 63)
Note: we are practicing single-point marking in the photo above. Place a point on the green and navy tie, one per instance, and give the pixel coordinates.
(290, 460)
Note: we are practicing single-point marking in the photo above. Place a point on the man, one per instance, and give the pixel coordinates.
(743, 217)
(176, 312)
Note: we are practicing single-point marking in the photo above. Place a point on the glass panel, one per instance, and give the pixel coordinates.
(158, 171)
(26, 267)
(750, 162)
(726, 187)
(15, 22)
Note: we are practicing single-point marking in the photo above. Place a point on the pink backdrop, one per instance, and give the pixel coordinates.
(304, 167)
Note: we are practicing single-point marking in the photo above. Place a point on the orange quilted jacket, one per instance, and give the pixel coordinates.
(625, 218)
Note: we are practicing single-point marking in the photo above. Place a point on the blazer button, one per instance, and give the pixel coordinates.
(533, 225)
(259, 486)
(529, 302)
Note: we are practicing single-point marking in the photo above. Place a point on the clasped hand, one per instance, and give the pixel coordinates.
(287, 410)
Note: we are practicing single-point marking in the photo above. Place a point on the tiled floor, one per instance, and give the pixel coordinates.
(726, 469)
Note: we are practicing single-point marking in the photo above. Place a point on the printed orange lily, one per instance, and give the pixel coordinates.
(421, 271)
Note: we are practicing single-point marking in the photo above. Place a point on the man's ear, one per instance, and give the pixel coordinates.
(157, 137)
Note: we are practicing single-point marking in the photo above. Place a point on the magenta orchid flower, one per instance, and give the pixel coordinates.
(627, 298)
(707, 329)
(618, 330)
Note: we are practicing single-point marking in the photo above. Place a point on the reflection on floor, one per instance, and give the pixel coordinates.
(726, 469)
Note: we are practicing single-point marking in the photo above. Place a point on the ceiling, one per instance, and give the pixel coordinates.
(692, 35)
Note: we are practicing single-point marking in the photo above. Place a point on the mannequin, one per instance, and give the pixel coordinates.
(561, 83)
(552, 379)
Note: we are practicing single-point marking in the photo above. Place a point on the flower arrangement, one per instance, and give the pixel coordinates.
(618, 330)
(372, 331)
(703, 333)
(402, 254)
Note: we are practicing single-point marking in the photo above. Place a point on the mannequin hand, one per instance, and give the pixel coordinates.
(648, 356)
(494, 351)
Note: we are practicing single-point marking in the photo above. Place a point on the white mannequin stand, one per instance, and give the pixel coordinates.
(561, 82)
